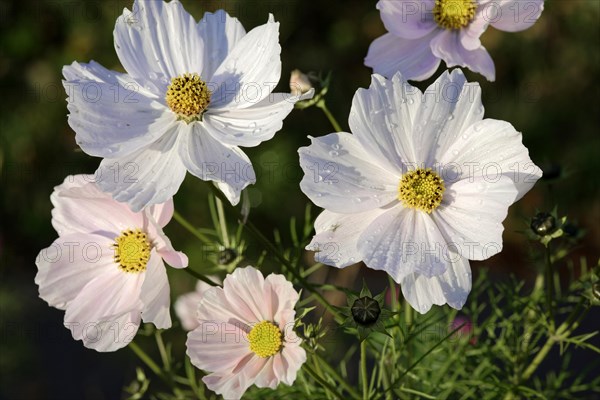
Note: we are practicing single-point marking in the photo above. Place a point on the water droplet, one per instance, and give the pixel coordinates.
(450, 117)
(152, 75)
(319, 194)
(320, 179)
(333, 153)
(411, 101)
(335, 146)
(455, 152)
(465, 137)
(358, 200)
(351, 259)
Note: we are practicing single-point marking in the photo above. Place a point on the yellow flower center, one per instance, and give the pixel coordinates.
(265, 339)
(188, 97)
(422, 189)
(454, 14)
(132, 251)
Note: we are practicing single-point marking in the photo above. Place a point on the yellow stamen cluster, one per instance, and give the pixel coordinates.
(132, 250)
(454, 14)
(422, 189)
(265, 339)
(188, 97)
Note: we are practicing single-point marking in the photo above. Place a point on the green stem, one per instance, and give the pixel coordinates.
(322, 381)
(330, 371)
(321, 104)
(183, 222)
(549, 281)
(146, 359)
(363, 369)
(563, 331)
(222, 222)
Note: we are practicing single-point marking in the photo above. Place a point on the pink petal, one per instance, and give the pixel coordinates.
(156, 293)
(514, 15)
(69, 264)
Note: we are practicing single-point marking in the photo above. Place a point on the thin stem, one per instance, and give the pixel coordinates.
(549, 283)
(321, 104)
(199, 276)
(322, 381)
(330, 371)
(363, 369)
(222, 222)
(183, 222)
(146, 359)
(562, 332)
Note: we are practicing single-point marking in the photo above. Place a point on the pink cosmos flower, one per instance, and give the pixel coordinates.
(245, 335)
(421, 33)
(106, 268)
(186, 305)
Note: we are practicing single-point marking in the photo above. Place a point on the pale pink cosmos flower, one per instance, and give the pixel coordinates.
(245, 335)
(106, 268)
(186, 305)
(421, 33)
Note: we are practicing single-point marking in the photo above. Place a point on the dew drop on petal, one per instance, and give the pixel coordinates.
(333, 153)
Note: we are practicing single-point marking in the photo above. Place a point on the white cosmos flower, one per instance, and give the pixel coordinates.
(420, 187)
(193, 93)
(245, 334)
(106, 268)
(421, 33)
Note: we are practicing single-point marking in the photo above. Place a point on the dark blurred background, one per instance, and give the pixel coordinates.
(547, 86)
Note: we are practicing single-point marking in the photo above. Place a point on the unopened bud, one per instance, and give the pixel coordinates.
(543, 224)
(299, 83)
(226, 256)
(365, 311)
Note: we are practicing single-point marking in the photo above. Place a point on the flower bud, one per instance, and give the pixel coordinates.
(226, 256)
(299, 83)
(543, 224)
(365, 311)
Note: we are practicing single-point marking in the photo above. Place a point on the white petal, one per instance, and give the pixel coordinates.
(514, 15)
(156, 293)
(111, 114)
(158, 40)
(450, 106)
(253, 125)
(336, 239)
(489, 150)
(402, 241)
(251, 70)
(382, 118)
(449, 48)
(80, 206)
(208, 159)
(452, 287)
(220, 33)
(69, 264)
(389, 54)
(106, 313)
(471, 216)
(341, 176)
(407, 19)
(149, 176)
